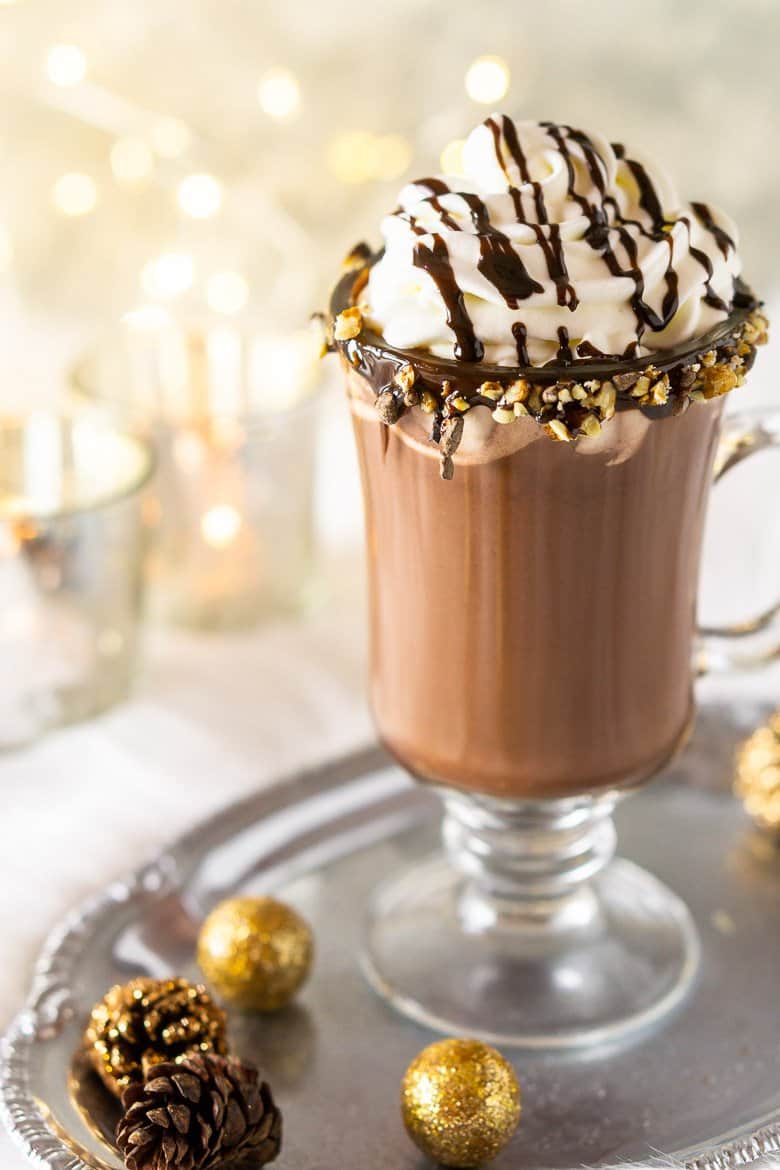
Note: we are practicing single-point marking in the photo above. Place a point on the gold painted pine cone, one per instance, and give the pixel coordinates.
(758, 775)
(139, 1024)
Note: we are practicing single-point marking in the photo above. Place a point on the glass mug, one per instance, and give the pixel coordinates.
(72, 553)
(531, 630)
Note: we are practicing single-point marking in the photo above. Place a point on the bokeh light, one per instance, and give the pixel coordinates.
(227, 292)
(132, 160)
(66, 65)
(392, 156)
(169, 275)
(170, 137)
(200, 196)
(487, 79)
(75, 194)
(279, 93)
(451, 160)
(220, 525)
(358, 156)
(147, 317)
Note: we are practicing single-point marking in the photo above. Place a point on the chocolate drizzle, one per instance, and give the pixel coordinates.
(705, 218)
(565, 357)
(515, 149)
(436, 262)
(520, 334)
(498, 261)
(648, 196)
(556, 264)
(612, 235)
(711, 298)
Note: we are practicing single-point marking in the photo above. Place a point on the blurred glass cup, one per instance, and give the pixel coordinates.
(72, 540)
(233, 418)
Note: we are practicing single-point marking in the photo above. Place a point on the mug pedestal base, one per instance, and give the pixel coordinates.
(551, 956)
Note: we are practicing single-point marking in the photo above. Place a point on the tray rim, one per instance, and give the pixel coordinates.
(48, 1008)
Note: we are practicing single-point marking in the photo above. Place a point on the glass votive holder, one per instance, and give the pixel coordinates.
(72, 540)
(233, 419)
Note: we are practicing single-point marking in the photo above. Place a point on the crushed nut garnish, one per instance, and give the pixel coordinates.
(348, 324)
(566, 409)
(558, 430)
(405, 377)
(451, 434)
(502, 415)
(388, 407)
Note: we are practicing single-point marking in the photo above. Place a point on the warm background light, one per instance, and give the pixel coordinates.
(487, 79)
(132, 160)
(169, 275)
(357, 156)
(279, 93)
(170, 137)
(451, 160)
(75, 194)
(220, 525)
(392, 155)
(200, 196)
(147, 317)
(227, 292)
(66, 65)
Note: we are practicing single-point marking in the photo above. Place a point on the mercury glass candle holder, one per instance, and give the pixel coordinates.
(72, 540)
(233, 418)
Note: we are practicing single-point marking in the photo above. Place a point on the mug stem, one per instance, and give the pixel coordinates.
(528, 864)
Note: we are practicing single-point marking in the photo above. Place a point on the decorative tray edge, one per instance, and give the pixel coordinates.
(49, 1003)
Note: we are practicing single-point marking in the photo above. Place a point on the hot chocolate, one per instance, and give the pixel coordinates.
(533, 585)
(536, 363)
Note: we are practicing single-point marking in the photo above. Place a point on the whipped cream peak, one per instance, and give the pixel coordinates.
(553, 245)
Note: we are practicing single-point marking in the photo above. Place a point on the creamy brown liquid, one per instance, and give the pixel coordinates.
(532, 619)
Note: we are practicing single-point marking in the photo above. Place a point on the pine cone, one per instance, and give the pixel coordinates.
(139, 1024)
(203, 1112)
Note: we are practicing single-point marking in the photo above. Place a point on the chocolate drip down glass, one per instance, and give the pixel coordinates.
(532, 656)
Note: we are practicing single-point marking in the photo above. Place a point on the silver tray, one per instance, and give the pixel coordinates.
(704, 1087)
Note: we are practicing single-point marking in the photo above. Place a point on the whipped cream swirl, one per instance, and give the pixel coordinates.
(553, 245)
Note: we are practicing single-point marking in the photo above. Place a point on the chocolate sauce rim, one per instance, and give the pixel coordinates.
(580, 369)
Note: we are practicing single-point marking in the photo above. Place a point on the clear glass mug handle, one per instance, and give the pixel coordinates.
(755, 641)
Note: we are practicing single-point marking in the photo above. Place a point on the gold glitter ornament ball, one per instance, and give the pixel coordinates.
(758, 775)
(460, 1102)
(255, 952)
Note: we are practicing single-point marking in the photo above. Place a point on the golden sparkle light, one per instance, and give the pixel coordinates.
(487, 79)
(451, 160)
(357, 156)
(147, 317)
(279, 93)
(227, 292)
(200, 196)
(350, 156)
(169, 275)
(75, 194)
(255, 952)
(170, 137)
(66, 65)
(392, 155)
(132, 160)
(220, 525)
(460, 1102)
